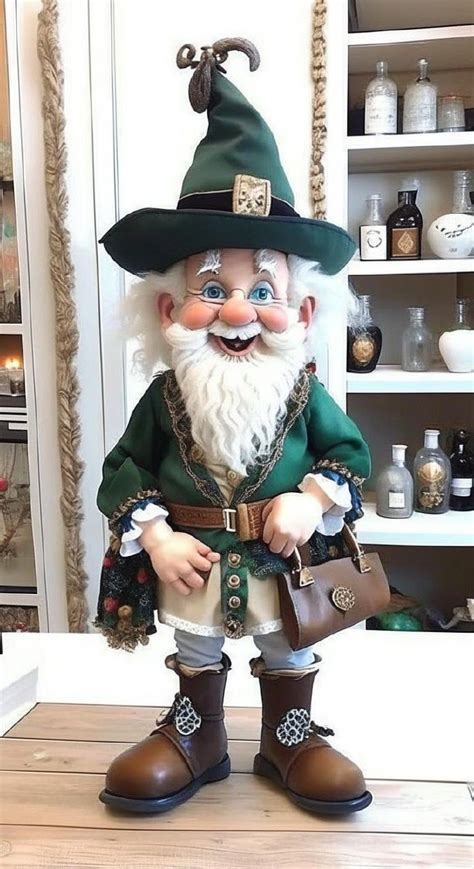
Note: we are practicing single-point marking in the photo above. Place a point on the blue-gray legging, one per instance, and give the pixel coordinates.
(198, 651)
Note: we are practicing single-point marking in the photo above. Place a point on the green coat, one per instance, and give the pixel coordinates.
(156, 460)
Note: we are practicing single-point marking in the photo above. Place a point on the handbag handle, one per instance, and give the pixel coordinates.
(357, 555)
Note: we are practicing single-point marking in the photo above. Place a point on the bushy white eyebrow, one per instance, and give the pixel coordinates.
(266, 262)
(211, 262)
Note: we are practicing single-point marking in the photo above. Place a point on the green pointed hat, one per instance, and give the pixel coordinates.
(235, 193)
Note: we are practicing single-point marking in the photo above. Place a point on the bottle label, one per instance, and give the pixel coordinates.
(363, 349)
(380, 114)
(396, 500)
(461, 487)
(419, 117)
(405, 243)
(373, 242)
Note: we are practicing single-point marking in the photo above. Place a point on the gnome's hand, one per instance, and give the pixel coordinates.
(177, 557)
(291, 519)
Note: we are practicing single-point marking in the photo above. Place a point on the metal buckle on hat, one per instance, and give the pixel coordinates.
(229, 514)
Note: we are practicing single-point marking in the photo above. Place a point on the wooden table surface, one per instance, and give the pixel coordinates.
(52, 766)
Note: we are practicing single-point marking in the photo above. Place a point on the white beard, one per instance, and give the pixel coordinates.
(235, 403)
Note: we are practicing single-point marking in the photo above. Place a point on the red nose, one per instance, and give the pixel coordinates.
(237, 312)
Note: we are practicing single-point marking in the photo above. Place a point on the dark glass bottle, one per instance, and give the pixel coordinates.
(364, 340)
(432, 475)
(404, 228)
(462, 473)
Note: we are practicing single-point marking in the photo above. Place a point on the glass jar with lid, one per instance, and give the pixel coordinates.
(451, 117)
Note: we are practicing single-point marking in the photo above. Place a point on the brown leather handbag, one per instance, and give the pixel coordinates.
(316, 602)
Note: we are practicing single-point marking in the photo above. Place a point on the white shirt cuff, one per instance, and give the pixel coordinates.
(130, 543)
(333, 520)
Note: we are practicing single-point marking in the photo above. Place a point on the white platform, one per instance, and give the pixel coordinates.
(400, 704)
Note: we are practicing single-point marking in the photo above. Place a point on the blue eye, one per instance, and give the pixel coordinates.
(213, 292)
(262, 294)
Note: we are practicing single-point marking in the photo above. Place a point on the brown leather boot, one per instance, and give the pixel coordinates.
(187, 750)
(292, 751)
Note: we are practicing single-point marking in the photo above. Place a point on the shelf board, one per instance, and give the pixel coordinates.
(11, 329)
(16, 598)
(376, 15)
(446, 529)
(391, 379)
(446, 48)
(413, 267)
(394, 153)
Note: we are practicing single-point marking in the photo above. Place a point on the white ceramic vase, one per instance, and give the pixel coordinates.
(451, 236)
(457, 349)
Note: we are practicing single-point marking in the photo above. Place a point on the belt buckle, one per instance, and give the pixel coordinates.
(229, 515)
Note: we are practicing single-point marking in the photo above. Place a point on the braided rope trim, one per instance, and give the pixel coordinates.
(319, 131)
(67, 334)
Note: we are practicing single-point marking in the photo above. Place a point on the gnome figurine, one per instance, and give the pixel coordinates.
(234, 456)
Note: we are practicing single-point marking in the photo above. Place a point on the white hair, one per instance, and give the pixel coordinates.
(211, 262)
(265, 261)
(332, 296)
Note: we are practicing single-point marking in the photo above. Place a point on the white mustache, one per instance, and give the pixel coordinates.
(222, 330)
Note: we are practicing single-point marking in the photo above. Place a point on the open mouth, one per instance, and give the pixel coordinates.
(236, 346)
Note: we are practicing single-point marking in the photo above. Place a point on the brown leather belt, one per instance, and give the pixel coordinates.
(245, 520)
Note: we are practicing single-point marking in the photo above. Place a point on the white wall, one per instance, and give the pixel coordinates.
(157, 131)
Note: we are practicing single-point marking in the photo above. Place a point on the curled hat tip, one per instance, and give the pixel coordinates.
(213, 55)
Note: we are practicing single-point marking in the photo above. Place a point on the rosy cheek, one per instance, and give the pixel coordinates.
(196, 314)
(274, 318)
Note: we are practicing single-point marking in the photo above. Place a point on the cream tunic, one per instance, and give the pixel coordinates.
(201, 611)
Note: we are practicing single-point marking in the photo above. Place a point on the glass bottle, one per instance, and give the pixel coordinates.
(456, 344)
(409, 183)
(373, 232)
(404, 228)
(364, 339)
(394, 488)
(463, 184)
(451, 116)
(417, 343)
(381, 103)
(462, 473)
(432, 475)
(420, 103)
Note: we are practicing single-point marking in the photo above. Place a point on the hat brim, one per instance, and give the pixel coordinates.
(153, 239)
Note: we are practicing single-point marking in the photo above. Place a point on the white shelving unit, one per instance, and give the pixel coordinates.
(446, 529)
(448, 48)
(379, 15)
(27, 569)
(389, 379)
(389, 404)
(411, 151)
(417, 267)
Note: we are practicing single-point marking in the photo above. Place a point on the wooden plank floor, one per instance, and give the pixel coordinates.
(52, 766)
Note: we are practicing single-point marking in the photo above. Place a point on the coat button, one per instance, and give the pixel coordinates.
(234, 602)
(232, 477)
(234, 559)
(233, 581)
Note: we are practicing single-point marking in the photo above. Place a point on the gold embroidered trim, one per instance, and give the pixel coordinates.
(181, 423)
(182, 429)
(127, 505)
(296, 404)
(124, 636)
(333, 465)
